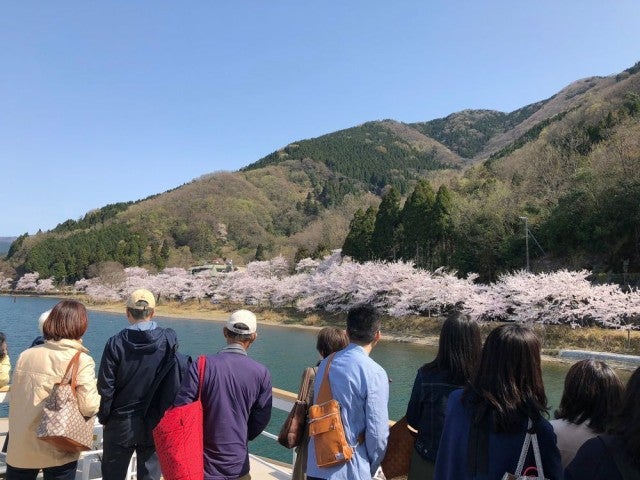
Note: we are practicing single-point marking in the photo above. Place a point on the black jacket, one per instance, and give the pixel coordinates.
(130, 365)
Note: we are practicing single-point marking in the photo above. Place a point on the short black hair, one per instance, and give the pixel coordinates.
(592, 393)
(363, 323)
(140, 314)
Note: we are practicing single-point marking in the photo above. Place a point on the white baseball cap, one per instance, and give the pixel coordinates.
(242, 322)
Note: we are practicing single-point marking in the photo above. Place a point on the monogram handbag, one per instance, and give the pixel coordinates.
(62, 424)
(530, 473)
(179, 438)
(397, 458)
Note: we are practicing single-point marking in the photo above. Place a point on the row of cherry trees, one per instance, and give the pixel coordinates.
(396, 288)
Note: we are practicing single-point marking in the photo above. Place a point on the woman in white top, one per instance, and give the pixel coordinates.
(592, 394)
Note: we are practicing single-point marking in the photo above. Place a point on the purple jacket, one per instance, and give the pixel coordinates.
(236, 399)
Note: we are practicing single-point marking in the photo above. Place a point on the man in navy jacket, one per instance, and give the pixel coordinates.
(135, 387)
(236, 400)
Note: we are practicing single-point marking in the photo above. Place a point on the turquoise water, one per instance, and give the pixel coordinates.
(285, 351)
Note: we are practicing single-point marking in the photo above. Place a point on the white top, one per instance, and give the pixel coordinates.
(570, 436)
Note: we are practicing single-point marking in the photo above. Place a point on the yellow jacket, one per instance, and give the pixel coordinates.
(37, 370)
(5, 370)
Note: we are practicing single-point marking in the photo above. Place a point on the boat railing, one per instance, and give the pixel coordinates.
(90, 461)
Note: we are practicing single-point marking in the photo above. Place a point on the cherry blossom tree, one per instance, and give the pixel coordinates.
(29, 281)
(5, 282)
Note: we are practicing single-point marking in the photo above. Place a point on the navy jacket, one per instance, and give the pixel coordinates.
(427, 407)
(503, 449)
(236, 401)
(131, 361)
(595, 460)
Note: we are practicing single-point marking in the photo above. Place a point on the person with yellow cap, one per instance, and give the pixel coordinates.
(139, 375)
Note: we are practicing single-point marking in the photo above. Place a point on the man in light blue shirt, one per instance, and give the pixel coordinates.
(361, 386)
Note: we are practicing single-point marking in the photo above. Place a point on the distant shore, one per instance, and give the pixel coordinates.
(611, 345)
(194, 311)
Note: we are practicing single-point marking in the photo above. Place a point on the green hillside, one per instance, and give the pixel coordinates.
(570, 164)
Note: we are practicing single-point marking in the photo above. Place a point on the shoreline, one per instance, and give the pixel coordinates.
(412, 330)
(187, 312)
(168, 311)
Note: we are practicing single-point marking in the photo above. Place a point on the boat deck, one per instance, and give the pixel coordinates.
(89, 463)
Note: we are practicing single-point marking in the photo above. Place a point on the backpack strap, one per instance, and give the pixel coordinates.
(324, 395)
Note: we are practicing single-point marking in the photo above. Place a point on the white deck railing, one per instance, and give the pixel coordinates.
(89, 462)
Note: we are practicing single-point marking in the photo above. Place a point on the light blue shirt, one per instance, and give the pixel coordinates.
(144, 325)
(361, 386)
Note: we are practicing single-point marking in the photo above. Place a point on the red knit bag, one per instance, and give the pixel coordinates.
(179, 438)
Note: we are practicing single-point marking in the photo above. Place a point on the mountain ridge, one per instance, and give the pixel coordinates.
(303, 196)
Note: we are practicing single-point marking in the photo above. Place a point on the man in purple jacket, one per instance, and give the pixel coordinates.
(236, 399)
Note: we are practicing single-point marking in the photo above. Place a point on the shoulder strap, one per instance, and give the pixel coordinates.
(325, 394)
(71, 373)
(304, 385)
(202, 362)
(530, 439)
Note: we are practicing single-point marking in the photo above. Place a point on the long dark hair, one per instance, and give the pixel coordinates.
(3, 345)
(508, 384)
(593, 393)
(627, 424)
(459, 348)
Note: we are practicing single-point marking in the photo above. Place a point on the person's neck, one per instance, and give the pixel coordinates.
(244, 345)
(367, 347)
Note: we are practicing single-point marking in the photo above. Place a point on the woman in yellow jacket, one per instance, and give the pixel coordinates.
(5, 362)
(35, 373)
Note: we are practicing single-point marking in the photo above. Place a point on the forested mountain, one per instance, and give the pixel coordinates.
(5, 243)
(570, 164)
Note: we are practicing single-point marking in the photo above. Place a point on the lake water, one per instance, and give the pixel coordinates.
(285, 351)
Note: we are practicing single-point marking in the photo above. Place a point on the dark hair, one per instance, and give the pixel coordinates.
(593, 392)
(241, 337)
(68, 319)
(459, 348)
(627, 424)
(140, 314)
(3, 345)
(508, 384)
(362, 324)
(331, 339)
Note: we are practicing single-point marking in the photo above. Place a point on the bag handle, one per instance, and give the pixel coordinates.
(530, 439)
(71, 373)
(304, 388)
(325, 394)
(202, 362)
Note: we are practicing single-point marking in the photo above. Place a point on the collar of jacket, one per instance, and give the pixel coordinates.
(234, 348)
(65, 344)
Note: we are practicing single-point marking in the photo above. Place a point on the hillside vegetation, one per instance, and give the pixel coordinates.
(570, 164)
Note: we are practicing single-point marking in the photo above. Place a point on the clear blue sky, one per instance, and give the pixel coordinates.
(110, 101)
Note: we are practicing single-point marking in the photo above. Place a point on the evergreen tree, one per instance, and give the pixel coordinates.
(384, 241)
(417, 225)
(442, 227)
(357, 245)
(260, 255)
